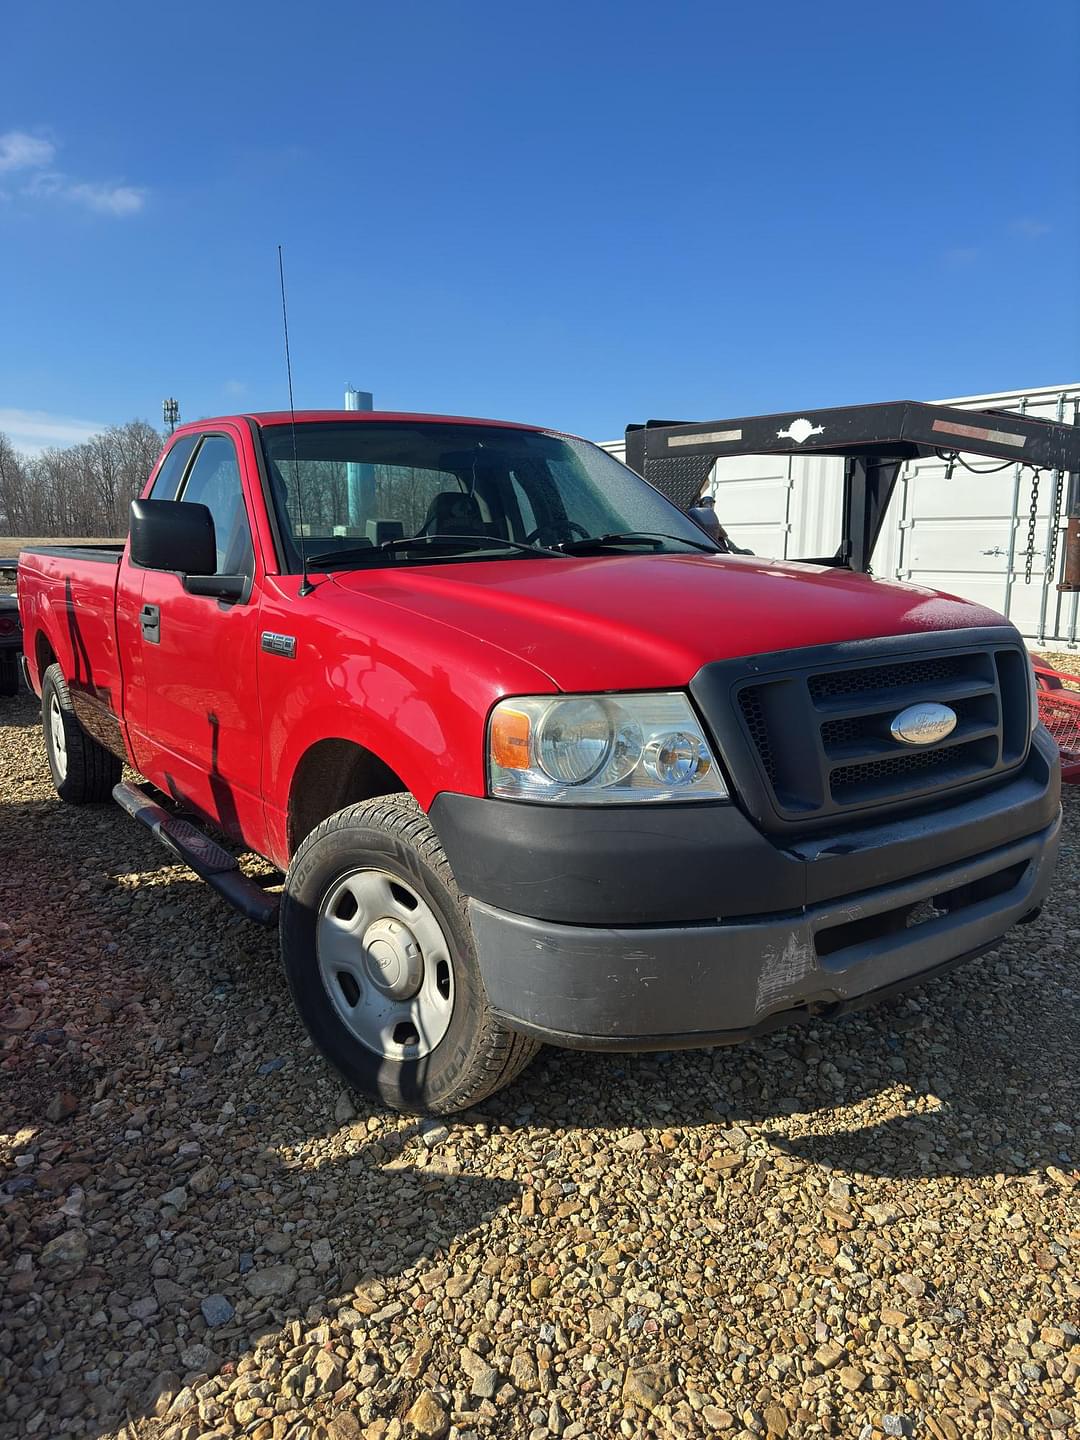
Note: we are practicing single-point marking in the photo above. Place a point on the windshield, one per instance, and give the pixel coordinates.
(364, 484)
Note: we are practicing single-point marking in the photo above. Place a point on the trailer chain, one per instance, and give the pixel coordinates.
(1033, 520)
(1055, 526)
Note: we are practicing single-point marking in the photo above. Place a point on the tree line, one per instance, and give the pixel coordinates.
(82, 489)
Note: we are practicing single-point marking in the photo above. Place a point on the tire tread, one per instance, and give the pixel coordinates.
(92, 771)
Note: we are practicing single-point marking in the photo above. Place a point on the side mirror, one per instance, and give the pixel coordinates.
(173, 535)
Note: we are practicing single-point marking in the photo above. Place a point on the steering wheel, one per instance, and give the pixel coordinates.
(570, 525)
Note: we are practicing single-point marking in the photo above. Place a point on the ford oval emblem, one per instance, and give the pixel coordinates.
(923, 724)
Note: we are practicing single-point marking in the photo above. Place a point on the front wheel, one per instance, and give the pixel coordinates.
(381, 963)
(82, 770)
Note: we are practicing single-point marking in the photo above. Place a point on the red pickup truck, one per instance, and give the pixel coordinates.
(537, 760)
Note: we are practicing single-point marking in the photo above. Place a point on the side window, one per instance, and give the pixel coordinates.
(172, 468)
(214, 481)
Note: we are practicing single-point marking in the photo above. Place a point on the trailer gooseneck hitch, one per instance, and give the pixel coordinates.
(874, 441)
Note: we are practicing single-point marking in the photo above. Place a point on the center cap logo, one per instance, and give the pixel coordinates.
(923, 724)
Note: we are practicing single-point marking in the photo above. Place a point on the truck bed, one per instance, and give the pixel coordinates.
(68, 594)
(104, 554)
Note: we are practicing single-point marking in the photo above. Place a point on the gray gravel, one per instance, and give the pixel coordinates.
(859, 1229)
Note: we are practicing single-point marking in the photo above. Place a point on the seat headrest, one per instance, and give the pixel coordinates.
(452, 512)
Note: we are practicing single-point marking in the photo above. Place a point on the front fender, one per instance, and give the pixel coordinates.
(413, 691)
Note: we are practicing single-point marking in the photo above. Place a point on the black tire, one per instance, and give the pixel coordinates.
(86, 773)
(478, 1053)
(9, 674)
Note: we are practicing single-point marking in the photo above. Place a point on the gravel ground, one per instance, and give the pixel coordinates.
(864, 1228)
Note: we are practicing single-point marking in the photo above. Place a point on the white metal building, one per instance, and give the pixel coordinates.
(965, 533)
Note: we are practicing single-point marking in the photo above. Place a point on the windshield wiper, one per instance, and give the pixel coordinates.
(632, 537)
(358, 554)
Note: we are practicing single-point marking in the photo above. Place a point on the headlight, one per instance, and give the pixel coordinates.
(600, 749)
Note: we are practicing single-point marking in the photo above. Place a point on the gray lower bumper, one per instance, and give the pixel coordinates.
(704, 984)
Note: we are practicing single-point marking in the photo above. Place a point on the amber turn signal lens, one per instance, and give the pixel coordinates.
(510, 739)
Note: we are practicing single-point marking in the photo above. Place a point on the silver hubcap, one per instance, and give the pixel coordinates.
(386, 965)
(59, 739)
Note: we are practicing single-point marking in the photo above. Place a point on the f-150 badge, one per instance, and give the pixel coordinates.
(800, 430)
(279, 644)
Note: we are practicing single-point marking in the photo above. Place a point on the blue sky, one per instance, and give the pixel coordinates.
(579, 214)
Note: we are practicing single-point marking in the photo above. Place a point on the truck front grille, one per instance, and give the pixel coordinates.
(849, 777)
(820, 735)
(939, 670)
(754, 716)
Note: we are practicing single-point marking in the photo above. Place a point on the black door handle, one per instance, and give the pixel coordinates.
(150, 621)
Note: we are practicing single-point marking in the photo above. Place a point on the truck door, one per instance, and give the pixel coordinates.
(129, 636)
(199, 656)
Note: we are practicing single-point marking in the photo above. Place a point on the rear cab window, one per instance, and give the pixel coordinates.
(171, 471)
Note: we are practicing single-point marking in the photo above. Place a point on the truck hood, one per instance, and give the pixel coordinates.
(616, 622)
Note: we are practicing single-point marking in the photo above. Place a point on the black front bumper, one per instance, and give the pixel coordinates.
(593, 987)
(686, 926)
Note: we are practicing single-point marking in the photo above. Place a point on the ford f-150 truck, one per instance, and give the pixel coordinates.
(537, 760)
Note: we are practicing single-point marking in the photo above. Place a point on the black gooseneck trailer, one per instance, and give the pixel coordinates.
(873, 441)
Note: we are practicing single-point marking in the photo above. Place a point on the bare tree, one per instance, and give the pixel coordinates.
(14, 484)
(78, 490)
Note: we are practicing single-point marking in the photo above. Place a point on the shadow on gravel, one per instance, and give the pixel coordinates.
(1008, 1093)
(189, 1307)
(19, 712)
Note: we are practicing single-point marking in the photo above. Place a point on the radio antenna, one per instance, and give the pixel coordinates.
(306, 586)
